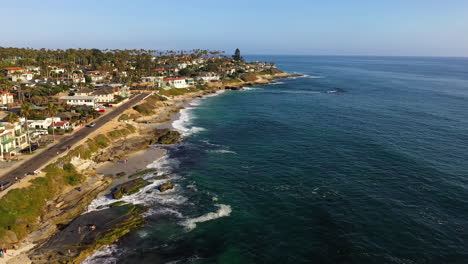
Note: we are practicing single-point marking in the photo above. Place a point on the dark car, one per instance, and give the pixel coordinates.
(33, 148)
(92, 124)
(4, 185)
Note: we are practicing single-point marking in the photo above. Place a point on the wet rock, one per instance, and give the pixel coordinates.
(119, 203)
(166, 186)
(87, 233)
(128, 188)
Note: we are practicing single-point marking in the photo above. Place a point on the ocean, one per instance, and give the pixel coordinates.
(361, 160)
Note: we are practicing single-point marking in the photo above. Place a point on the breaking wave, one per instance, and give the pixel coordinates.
(223, 210)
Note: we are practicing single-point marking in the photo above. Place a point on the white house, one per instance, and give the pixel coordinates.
(158, 80)
(6, 98)
(80, 100)
(56, 69)
(175, 82)
(208, 78)
(104, 95)
(34, 69)
(42, 124)
(61, 125)
(21, 77)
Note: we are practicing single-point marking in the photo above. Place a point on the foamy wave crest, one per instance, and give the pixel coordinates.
(223, 210)
(277, 83)
(104, 255)
(214, 94)
(163, 211)
(223, 151)
(251, 88)
(182, 124)
(164, 165)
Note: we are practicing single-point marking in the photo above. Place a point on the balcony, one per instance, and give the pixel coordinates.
(5, 141)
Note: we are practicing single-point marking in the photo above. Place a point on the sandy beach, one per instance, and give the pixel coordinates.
(134, 163)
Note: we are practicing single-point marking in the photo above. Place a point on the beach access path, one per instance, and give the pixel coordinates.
(47, 155)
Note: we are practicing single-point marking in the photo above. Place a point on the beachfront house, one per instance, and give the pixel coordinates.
(157, 80)
(7, 143)
(41, 126)
(19, 132)
(175, 83)
(80, 100)
(63, 125)
(104, 95)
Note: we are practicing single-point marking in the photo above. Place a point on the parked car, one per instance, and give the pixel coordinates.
(26, 150)
(108, 105)
(4, 185)
(102, 110)
(92, 124)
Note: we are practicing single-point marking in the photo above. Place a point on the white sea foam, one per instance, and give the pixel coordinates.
(251, 88)
(223, 151)
(104, 255)
(277, 83)
(148, 195)
(163, 211)
(182, 124)
(223, 210)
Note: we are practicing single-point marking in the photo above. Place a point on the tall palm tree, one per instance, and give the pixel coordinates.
(50, 111)
(26, 112)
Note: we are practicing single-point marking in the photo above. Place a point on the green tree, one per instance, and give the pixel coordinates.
(237, 56)
(12, 118)
(50, 111)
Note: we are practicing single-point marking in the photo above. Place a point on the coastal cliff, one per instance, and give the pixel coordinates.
(53, 203)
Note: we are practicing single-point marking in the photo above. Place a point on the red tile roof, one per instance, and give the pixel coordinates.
(59, 124)
(14, 68)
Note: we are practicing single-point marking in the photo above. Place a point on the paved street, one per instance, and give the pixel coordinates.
(47, 155)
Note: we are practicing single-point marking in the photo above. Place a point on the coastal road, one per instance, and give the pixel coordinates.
(47, 155)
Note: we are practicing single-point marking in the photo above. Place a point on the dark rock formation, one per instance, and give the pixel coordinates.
(128, 188)
(166, 186)
(87, 233)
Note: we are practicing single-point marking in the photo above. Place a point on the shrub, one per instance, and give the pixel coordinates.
(143, 109)
(131, 128)
(102, 141)
(92, 146)
(124, 117)
(73, 179)
(68, 167)
(248, 77)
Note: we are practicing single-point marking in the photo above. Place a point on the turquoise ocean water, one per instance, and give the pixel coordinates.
(362, 160)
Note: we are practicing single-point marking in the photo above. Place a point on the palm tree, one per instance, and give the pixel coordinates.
(12, 118)
(50, 111)
(26, 112)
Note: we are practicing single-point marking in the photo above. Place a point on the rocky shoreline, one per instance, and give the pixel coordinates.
(56, 238)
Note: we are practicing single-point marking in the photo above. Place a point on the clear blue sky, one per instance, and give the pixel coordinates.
(322, 27)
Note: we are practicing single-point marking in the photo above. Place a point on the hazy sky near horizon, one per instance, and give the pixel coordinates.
(359, 27)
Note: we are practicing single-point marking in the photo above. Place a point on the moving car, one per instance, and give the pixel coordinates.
(92, 124)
